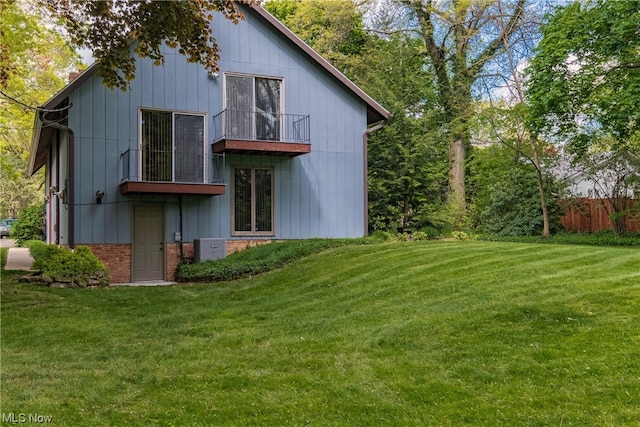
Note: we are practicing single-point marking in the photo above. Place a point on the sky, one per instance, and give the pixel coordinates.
(86, 55)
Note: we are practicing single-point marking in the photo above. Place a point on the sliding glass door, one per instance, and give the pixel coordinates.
(253, 107)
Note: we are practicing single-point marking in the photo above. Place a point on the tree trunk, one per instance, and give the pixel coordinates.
(457, 195)
(618, 213)
(543, 197)
(405, 213)
(620, 225)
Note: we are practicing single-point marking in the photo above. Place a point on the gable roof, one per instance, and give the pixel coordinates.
(375, 111)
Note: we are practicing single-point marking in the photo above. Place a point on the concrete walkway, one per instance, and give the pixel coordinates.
(145, 284)
(19, 259)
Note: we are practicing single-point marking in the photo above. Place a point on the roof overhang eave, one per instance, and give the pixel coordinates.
(39, 141)
(35, 144)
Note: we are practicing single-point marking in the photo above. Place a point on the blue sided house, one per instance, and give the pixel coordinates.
(192, 165)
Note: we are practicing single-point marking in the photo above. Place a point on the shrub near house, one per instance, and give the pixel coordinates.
(63, 268)
(30, 225)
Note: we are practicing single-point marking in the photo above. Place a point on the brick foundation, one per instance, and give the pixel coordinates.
(117, 258)
(172, 259)
(239, 245)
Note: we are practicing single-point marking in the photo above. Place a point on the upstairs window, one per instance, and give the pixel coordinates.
(253, 107)
(172, 146)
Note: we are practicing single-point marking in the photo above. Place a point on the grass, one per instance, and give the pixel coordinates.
(260, 259)
(4, 252)
(603, 238)
(422, 333)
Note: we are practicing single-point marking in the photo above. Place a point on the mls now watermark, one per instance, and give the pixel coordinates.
(23, 418)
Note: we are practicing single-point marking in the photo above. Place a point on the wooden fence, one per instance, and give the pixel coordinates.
(590, 216)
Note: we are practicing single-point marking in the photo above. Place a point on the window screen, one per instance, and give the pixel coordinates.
(172, 147)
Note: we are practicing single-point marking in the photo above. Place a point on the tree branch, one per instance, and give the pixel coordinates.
(496, 44)
(435, 52)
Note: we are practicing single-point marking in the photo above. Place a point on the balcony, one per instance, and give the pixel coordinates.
(261, 133)
(170, 172)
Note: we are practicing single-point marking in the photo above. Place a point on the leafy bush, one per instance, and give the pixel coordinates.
(30, 224)
(514, 208)
(431, 232)
(38, 248)
(462, 235)
(79, 267)
(420, 235)
(381, 235)
(259, 259)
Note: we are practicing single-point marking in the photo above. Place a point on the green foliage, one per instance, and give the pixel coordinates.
(30, 224)
(259, 259)
(107, 27)
(407, 177)
(420, 235)
(333, 28)
(487, 167)
(34, 64)
(407, 158)
(16, 38)
(514, 205)
(462, 235)
(584, 80)
(62, 264)
(3, 256)
(38, 248)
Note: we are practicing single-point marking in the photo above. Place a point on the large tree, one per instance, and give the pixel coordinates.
(584, 81)
(510, 188)
(462, 38)
(507, 121)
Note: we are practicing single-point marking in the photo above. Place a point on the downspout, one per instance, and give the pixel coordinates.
(365, 141)
(181, 239)
(70, 174)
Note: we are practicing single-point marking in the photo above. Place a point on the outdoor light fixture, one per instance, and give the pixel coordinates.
(53, 191)
(99, 196)
(61, 194)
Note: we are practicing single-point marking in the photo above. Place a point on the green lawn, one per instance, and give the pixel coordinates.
(424, 333)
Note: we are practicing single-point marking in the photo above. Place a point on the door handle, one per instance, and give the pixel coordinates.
(162, 246)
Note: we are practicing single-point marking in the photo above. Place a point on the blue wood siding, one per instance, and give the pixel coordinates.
(320, 194)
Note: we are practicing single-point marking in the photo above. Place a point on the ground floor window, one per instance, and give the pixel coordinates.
(252, 211)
